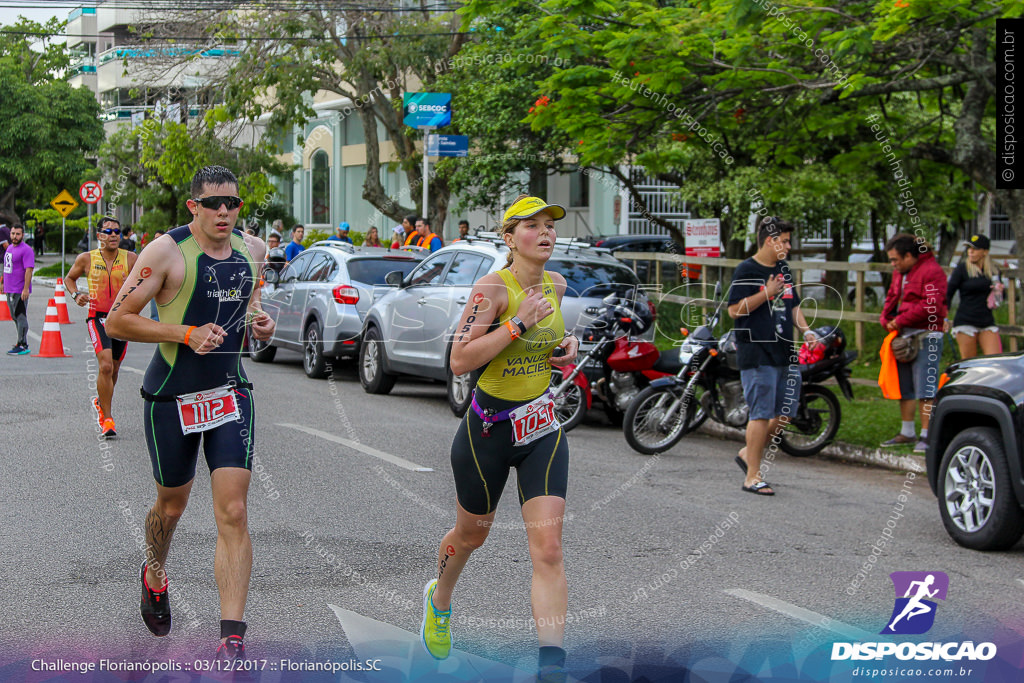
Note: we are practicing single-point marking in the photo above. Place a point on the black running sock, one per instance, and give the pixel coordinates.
(230, 627)
(551, 656)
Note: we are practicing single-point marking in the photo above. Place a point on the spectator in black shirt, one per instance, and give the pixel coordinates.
(764, 303)
(126, 240)
(981, 290)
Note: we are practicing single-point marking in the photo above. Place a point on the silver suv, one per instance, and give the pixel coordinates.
(320, 298)
(409, 330)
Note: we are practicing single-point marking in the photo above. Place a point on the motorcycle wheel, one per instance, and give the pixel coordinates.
(642, 427)
(571, 405)
(815, 424)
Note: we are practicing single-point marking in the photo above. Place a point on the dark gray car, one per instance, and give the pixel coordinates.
(409, 330)
(319, 300)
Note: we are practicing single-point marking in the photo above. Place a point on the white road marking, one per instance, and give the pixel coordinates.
(387, 457)
(135, 370)
(801, 614)
(402, 651)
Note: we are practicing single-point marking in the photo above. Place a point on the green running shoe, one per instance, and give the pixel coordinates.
(435, 631)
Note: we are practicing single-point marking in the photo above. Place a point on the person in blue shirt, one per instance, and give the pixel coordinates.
(295, 247)
(342, 234)
(426, 237)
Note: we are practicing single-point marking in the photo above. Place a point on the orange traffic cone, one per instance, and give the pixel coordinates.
(52, 346)
(62, 304)
(5, 313)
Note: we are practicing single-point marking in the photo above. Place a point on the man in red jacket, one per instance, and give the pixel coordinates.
(916, 306)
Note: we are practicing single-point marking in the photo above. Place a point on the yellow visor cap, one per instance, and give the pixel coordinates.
(529, 206)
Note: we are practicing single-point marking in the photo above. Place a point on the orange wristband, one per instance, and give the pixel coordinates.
(513, 329)
(189, 334)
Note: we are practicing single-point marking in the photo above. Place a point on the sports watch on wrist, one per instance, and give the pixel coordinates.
(516, 321)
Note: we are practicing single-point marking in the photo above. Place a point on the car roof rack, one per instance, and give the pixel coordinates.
(576, 244)
(336, 244)
(486, 237)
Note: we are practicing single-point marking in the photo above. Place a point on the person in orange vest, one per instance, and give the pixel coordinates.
(427, 238)
(409, 224)
(105, 269)
(463, 230)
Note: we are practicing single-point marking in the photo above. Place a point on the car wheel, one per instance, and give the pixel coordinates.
(460, 391)
(261, 351)
(976, 498)
(313, 361)
(371, 364)
(460, 387)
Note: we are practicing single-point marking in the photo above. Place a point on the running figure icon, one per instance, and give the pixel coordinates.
(915, 606)
(916, 596)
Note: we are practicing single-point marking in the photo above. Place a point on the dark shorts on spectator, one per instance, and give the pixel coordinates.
(771, 390)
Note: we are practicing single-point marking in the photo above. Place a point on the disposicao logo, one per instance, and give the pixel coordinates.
(912, 614)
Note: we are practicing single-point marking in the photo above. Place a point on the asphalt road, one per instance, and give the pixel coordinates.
(668, 561)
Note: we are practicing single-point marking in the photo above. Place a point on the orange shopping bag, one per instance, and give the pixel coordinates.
(888, 376)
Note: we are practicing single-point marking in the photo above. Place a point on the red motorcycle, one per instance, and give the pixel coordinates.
(614, 365)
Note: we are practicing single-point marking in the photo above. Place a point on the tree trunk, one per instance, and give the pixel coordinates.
(7, 212)
(840, 250)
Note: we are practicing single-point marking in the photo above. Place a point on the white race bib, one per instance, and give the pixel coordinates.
(205, 410)
(534, 420)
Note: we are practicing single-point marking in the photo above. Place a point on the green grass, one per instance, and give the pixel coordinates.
(53, 270)
(869, 419)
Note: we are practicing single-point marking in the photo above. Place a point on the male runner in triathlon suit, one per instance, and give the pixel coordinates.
(203, 277)
(105, 268)
(511, 325)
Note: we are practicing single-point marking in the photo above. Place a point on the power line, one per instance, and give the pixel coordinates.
(157, 5)
(47, 34)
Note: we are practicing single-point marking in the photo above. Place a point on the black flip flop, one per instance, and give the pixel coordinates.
(741, 463)
(759, 489)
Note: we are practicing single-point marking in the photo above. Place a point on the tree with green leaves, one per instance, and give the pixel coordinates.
(694, 91)
(493, 81)
(151, 165)
(47, 128)
(369, 54)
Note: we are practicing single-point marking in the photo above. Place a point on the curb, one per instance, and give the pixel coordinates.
(837, 450)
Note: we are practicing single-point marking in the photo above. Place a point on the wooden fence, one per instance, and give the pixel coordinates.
(665, 270)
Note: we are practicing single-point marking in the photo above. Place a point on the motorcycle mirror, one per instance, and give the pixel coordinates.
(718, 290)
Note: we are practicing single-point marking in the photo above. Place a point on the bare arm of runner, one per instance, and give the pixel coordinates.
(473, 346)
(78, 268)
(260, 324)
(146, 279)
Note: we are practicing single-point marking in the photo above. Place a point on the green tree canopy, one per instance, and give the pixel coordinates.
(47, 128)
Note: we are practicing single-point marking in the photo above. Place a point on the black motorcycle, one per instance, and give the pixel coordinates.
(708, 385)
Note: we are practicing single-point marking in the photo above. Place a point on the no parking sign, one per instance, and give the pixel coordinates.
(90, 192)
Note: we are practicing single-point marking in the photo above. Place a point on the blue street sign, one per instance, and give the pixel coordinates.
(448, 145)
(427, 109)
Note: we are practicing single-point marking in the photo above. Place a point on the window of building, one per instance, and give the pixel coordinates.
(579, 189)
(354, 130)
(321, 188)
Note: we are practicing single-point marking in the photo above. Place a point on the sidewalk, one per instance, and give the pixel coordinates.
(837, 450)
